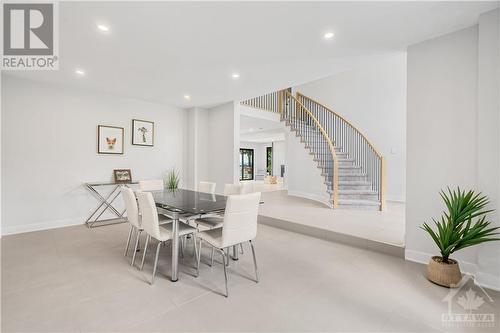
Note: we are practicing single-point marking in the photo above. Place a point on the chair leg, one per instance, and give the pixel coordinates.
(224, 259)
(212, 257)
(156, 263)
(255, 262)
(241, 248)
(227, 254)
(181, 247)
(136, 246)
(198, 257)
(128, 239)
(144, 253)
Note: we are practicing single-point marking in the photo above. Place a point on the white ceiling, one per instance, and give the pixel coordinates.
(260, 130)
(160, 51)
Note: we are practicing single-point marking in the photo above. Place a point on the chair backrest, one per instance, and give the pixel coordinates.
(232, 189)
(240, 218)
(206, 187)
(149, 214)
(131, 206)
(151, 185)
(246, 187)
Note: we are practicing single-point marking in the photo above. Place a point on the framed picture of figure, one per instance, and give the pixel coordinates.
(143, 132)
(109, 139)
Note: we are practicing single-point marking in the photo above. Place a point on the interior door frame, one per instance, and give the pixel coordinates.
(242, 166)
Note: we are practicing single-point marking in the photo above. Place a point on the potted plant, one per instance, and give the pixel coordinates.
(462, 226)
(172, 180)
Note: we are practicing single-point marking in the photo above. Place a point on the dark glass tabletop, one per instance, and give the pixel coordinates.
(187, 201)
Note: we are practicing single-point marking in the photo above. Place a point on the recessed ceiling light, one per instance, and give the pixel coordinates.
(328, 35)
(187, 97)
(80, 72)
(235, 75)
(103, 28)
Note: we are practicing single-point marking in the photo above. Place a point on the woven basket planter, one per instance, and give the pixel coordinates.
(444, 274)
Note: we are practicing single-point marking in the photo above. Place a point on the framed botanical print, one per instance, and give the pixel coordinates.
(143, 132)
(122, 175)
(109, 139)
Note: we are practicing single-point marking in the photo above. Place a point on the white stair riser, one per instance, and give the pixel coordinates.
(358, 207)
(355, 187)
(352, 177)
(352, 196)
(349, 171)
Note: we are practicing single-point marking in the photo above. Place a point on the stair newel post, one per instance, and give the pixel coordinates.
(382, 183)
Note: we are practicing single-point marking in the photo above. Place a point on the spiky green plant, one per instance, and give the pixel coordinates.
(464, 224)
(172, 179)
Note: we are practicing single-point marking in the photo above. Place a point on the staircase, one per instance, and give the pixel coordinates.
(352, 168)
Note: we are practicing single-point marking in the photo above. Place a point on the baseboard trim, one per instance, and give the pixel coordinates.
(310, 196)
(333, 236)
(482, 279)
(18, 229)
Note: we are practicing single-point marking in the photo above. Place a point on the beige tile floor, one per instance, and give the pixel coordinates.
(77, 280)
(386, 227)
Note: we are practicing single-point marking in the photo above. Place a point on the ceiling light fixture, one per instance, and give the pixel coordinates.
(187, 97)
(328, 35)
(80, 72)
(103, 28)
(235, 75)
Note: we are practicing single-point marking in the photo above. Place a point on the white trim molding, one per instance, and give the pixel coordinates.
(480, 278)
(18, 229)
(322, 199)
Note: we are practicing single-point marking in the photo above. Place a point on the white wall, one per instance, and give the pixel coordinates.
(453, 135)
(49, 150)
(302, 176)
(488, 129)
(279, 157)
(373, 98)
(197, 152)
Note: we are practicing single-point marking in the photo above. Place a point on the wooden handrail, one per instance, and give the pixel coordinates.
(347, 121)
(375, 151)
(330, 146)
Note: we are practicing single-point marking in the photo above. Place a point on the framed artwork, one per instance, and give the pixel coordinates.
(143, 132)
(122, 175)
(109, 139)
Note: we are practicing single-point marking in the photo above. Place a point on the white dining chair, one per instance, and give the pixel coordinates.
(231, 189)
(151, 185)
(206, 187)
(151, 226)
(246, 187)
(239, 226)
(134, 218)
(212, 222)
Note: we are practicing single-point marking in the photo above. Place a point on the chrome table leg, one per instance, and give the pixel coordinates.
(175, 245)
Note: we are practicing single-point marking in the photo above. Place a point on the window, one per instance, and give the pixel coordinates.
(269, 160)
(246, 164)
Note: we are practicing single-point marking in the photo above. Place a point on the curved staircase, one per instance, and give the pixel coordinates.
(352, 168)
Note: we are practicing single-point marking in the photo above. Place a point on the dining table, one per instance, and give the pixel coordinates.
(187, 204)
